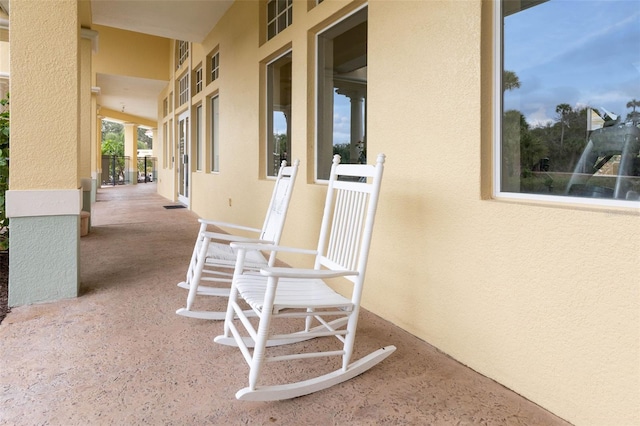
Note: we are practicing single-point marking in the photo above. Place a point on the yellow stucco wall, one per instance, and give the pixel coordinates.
(543, 299)
(40, 146)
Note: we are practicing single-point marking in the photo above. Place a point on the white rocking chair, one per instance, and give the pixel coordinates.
(285, 293)
(212, 254)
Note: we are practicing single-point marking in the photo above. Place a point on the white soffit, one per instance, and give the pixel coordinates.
(187, 20)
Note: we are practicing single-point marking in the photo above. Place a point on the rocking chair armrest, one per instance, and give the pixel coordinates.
(229, 238)
(305, 273)
(228, 225)
(269, 246)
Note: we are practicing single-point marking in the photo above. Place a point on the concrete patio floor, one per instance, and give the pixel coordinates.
(119, 354)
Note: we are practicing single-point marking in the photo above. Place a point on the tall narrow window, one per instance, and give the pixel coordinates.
(183, 85)
(165, 146)
(198, 79)
(278, 113)
(215, 66)
(182, 53)
(279, 16)
(215, 135)
(342, 93)
(199, 145)
(568, 105)
(165, 107)
(169, 137)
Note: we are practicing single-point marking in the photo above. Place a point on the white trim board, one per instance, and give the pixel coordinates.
(56, 202)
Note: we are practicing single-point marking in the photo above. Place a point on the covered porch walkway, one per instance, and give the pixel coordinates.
(118, 354)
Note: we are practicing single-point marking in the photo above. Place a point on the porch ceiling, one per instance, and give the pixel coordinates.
(188, 20)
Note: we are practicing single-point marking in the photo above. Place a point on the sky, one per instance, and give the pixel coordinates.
(578, 52)
(341, 120)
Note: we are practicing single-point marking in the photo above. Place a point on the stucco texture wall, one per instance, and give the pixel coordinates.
(543, 299)
(51, 140)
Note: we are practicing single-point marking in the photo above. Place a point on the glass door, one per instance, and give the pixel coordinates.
(183, 158)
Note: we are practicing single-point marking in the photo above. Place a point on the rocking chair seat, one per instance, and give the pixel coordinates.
(221, 255)
(291, 294)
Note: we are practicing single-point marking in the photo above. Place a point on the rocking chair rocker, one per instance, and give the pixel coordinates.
(212, 254)
(285, 293)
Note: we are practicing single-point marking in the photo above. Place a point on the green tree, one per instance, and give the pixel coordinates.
(510, 81)
(144, 140)
(111, 127)
(344, 150)
(562, 110)
(113, 145)
(633, 116)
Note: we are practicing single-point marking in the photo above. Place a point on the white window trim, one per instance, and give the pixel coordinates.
(498, 194)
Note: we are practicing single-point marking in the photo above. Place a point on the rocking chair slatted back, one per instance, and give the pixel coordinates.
(345, 231)
(277, 211)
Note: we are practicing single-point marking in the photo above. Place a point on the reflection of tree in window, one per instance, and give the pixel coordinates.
(558, 135)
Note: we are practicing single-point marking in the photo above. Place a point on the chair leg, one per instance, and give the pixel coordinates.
(194, 257)
(197, 272)
(262, 335)
(233, 293)
(349, 340)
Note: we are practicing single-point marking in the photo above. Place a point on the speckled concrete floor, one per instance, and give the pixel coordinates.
(119, 355)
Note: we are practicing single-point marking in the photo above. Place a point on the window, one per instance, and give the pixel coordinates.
(165, 107)
(165, 146)
(342, 93)
(169, 138)
(279, 16)
(278, 113)
(215, 135)
(215, 66)
(183, 93)
(199, 145)
(567, 97)
(198, 79)
(182, 53)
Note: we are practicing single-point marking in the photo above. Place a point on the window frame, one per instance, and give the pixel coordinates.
(214, 146)
(287, 12)
(214, 66)
(184, 94)
(182, 52)
(498, 193)
(198, 139)
(197, 76)
(268, 89)
(317, 120)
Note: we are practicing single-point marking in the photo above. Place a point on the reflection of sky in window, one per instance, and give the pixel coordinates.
(341, 120)
(582, 53)
(279, 123)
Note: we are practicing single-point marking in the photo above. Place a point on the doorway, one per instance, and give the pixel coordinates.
(183, 158)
